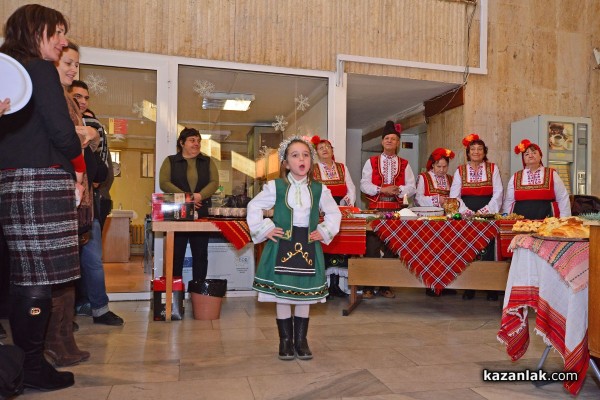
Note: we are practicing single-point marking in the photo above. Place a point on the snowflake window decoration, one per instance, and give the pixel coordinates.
(301, 103)
(138, 109)
(280, 123)
(96, 83)
(204, 88)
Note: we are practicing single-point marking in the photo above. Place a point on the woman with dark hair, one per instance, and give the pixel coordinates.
(188, 171)
(536, 192)
(478, 186)
(41, 156)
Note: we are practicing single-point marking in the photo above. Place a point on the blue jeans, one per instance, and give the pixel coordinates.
(92, 272)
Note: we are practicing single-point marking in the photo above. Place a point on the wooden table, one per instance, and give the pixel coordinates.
(459, 241)
(169, 228)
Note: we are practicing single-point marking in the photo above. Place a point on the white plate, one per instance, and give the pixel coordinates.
(14, 83)
(427, 211)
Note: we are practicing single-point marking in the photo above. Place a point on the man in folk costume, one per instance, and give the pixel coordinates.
(386, 180)
(536, 192)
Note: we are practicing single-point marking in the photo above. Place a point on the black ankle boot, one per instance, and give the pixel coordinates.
(286, 339)
(28, 320)
(300, 343)
(334, 283)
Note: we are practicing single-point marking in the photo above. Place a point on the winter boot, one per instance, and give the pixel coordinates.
(67, 326)
(300, 343)
(286, 339)
(28, 321)
(54, 345)
(335, 286)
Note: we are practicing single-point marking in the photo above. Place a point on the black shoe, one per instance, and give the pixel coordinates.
(468, 294)
(431, 293)
(75, 326)
(109, 318)
(492, 295)
(3, 333)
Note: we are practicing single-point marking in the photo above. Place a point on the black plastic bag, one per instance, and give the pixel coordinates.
(581, 204)
(209, 287)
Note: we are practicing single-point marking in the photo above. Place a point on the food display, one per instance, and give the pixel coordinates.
(566, 227)
(451, 206)
(527, 226)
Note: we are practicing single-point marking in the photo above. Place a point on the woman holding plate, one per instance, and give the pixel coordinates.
(40, 149)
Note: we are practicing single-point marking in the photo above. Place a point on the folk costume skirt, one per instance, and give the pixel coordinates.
(279, 278)
(39, 221)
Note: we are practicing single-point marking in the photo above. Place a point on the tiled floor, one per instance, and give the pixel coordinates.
(411, 347)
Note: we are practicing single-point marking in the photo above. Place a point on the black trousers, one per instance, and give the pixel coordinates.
(199, 246)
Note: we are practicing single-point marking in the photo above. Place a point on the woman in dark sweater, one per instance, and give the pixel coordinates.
(41, 158)
(188, 171)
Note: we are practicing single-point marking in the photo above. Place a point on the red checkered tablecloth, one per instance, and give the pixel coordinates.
(436, 252)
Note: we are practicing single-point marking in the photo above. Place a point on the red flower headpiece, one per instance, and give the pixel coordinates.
(398, 128)
(437, 154)
(470, 138)
(522, 147)
(316, 140)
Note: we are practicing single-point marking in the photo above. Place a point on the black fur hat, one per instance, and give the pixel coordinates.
(391, 128)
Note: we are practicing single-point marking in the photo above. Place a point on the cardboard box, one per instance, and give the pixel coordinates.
(173, 207)
(159, 287)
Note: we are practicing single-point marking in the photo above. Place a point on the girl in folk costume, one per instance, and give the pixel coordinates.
(535, 192)
(478, 186)
(433, 186)
(334, 174)
(291, 270)
(337, 178)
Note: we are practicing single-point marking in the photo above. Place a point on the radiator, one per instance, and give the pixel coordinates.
(137, 234)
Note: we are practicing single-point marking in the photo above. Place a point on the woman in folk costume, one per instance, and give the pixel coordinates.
(478, 186)
(337, 178)
(291, 270)
(536, 192)
(433, 186)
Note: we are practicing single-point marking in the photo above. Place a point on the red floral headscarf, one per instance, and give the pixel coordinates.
(522, 147)
(437, 154)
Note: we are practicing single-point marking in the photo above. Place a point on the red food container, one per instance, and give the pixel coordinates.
(172, 207)
(505, 237)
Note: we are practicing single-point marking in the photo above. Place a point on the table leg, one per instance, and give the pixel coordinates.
(169, 273)
(353, 301)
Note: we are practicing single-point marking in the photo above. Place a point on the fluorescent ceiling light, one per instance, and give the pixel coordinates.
(227, 101)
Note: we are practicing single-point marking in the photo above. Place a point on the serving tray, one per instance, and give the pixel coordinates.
(561, 239)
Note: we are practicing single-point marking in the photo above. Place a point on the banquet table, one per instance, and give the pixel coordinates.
(432, 254)
(552, 278)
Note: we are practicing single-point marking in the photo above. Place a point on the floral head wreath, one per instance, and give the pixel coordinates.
(285, 144)
(316, 141)
(523, 146)
(438, 154)
(469, 139)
